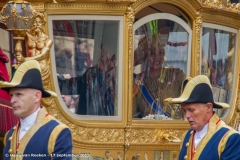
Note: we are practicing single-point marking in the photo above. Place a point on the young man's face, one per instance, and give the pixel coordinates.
(67, 99)
(196, 114)
(24, 101)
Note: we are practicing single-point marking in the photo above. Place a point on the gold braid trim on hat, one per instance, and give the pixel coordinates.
(188, 78)
(20, 72)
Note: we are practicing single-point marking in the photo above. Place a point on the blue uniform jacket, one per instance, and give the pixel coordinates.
(46, 139)
(220, 143)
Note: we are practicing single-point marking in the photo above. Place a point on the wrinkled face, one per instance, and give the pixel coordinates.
(196, 114)
(37, 25)
(24, 101)
(67, 99)
(156, 57)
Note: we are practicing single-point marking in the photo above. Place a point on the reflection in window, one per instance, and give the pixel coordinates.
(218, 50)
(235, 1)
(160, 64)
(86, 58)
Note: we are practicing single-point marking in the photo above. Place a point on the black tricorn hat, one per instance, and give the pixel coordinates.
(197, 90)
(28, 75)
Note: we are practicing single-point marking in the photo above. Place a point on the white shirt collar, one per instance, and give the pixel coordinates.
(27, 123)
(199, 135)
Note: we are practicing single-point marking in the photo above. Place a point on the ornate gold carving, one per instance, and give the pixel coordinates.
(91, 146)
(78, 6)
(127, 138)
(238, 101)
(168, 146)
(38, 46)
(98, 135)
(38, 6)
(70, 1)
(190, 5)
(218, 4)
(198, 27)
(89, 134)
(130, 17)
(235, 120)
(222, 18)
(170, 137)
(130, 20)
(152, 136)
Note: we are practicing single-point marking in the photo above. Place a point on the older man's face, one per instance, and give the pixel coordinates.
(24, 101)
(196, 114)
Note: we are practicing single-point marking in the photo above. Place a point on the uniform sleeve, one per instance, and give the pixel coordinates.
(63, 146)
(232, 149)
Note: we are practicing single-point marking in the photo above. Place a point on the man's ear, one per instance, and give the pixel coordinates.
(38, 96)
(210, 106)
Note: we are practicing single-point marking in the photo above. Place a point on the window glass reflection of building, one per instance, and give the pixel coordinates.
(71, 102)
(235, 1)
(86, 64)
(218, 52)
(64, 63)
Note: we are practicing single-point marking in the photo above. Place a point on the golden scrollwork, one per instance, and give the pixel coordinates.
(238, 102)
(130, 17)
(212, 3)
(127, 137)
(219, 5)
(153, 136)
(98, 135)
(235, 120)
(88, 134)
(91, 134)
(38, 6)
(130, 20)
(198, 27)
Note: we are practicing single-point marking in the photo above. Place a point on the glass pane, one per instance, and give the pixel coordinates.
(86, 55)
(218, 52)
(235, 1)
(160, 66)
